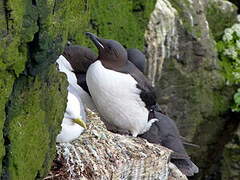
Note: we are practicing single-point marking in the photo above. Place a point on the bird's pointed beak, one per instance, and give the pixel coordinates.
(95, 40)
(80, 122)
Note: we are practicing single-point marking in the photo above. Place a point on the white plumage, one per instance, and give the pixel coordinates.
(118, 99)
(75, 108)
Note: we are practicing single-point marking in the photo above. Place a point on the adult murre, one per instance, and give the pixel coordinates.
(138, 59)
(125, 98)
(114, 91)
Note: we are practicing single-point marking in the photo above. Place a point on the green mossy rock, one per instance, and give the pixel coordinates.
(33, 94)
(35, 108)
(12, 53)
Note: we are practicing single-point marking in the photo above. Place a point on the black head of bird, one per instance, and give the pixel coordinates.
(79, 57)
(111, 53)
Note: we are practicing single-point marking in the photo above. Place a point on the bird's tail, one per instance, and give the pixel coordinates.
(186, 166)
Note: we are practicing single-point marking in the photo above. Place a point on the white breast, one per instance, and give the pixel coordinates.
(117, 98)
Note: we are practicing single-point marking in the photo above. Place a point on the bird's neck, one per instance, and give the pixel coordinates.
(113, 65)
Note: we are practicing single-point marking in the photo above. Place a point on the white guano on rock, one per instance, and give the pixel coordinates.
(160, 34)
(100, 154)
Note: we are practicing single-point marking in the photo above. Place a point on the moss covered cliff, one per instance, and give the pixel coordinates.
(33, 94)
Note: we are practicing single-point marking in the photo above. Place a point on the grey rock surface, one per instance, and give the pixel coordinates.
(184, 68)
(100, 154)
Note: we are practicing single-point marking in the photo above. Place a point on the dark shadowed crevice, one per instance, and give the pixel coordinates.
(54, 7)
(85, 5)
(213, 156)
(7, 13)
(94, 25)
(38, 176)
(138, 8)
(237, 3)
(224, 136)
(5, 160)
(33, 48)
(34, 3)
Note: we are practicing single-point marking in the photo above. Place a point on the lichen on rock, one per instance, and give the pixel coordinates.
(32, 125)
(101, 154)
(189, 83)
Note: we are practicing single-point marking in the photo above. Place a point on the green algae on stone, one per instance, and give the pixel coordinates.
(33, 34)
(126, 24)
(6, 83)
(12, 50)
(35, 112)
(12, 53)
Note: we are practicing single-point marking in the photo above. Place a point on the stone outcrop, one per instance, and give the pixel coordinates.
(100, 154)
(184, 67)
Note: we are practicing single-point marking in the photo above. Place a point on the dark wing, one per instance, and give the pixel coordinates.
(165, 132)
(147, 94)
(81, 81)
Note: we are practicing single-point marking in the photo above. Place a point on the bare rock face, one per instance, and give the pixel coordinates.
(100, 154)
(182, 63)
(184, 68)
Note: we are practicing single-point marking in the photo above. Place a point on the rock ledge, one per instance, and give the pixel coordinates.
(101, 154)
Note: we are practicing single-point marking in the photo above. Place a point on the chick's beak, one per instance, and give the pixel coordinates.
(95, 40)
(80, 122)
